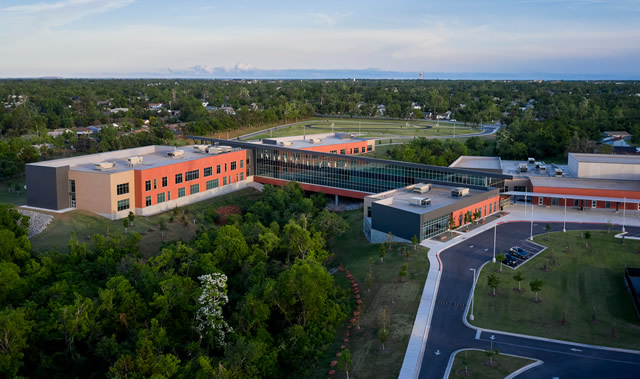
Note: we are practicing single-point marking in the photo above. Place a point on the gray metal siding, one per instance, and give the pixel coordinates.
(462, 203)
(389, 219)
(41, 187)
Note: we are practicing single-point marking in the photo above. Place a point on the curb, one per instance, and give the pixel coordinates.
(519, 371)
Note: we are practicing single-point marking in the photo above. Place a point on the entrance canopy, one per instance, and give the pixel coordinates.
(572, 197)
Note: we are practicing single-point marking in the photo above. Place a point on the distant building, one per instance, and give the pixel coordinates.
(617, 134)
(155, 106)
(118, 110)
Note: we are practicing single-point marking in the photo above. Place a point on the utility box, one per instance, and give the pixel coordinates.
(422, 188)
(420, 201)
(459, 192)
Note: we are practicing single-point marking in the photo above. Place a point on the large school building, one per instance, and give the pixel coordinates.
(406, 199)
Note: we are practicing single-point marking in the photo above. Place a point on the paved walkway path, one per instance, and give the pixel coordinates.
(517, 212)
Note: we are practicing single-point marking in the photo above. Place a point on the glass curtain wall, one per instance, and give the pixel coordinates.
(434, 227)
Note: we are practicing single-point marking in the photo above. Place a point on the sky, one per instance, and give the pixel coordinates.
(198, 38)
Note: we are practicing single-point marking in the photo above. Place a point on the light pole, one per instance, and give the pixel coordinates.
(525, 202)
(495, 228)
(472, 292)
(624, 208)
(564, 225)
(531, 237)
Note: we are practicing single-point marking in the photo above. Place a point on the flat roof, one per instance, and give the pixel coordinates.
(572, 197)
(606, 158)
(440, 197)
(302, 142)
(602, 184)
(513, 168)
(470, 161)
(152, 156)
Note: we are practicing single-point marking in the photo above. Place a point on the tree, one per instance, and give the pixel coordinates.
(465, 363)
(414, 241)
(587, 236)
(501, 258)
(163, 227)
(452, 222)
(131, 217)
(382, 251)
(15, 329)
(493, 281)
(404, 271)
(491, 353)
(368, 281)
(345, 361)
(536, 286)
(547, 228)
(125, 223)
(209, 319)
(518, 277)
(389, 240)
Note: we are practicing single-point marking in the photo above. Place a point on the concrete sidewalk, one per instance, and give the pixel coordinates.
(412, 362)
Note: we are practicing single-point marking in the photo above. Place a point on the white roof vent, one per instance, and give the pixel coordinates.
(315, 140)
(134, 160)
(103, 166)
(286, 143)
(200, 148)
(175, 153)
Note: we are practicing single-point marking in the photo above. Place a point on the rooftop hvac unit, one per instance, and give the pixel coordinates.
(225, 149)
(559, 172)
(459, 192)
(286, 143)
(213, 150)
(523, 167)
(422, 188)
(200, 148)
(543, 168)
(344, 135)
(102, 166)
(532, 160)
(134, 160)
(315, 140)
(175, 153)
(419, 201)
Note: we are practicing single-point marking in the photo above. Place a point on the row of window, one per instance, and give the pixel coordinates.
(188, 176)
(193, 189)
(576, 203)
(355, 150)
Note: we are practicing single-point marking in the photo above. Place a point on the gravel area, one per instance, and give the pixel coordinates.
(37, 221)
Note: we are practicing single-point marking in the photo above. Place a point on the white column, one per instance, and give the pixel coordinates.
(495, 228)
(531, 237)
(472, 292)
(564, 225)
(624, 208)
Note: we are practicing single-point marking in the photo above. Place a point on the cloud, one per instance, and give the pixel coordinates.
(328, 19)
(43, 16)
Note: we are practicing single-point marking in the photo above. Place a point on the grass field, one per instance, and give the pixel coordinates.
(85, 224)
(371, 128)
(354, 251)
(8, 193)
(586, 284)
(477, 365)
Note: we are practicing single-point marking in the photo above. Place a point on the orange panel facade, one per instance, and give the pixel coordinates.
(486, 207)
(226, 168)
(348, 148)
(586, 192)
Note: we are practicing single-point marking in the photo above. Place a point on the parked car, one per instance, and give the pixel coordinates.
(519, 252)
(510, 260)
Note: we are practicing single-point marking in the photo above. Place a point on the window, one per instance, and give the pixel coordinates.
(72, 186)
(225, 167)
(121, 189)
(181, 192)
(224, 181)
(160, 197)
(242, 176)
(148, 201)
(343, 151)
(540, 200)
(233, 165)
(164, 181)
(490, 208)
(333, 151)
(208, 171)
(356, 150)
(217, 169)
(369, 148)
(575, 203)
(147, 185)
(178, 178)
(168, 195)
(247, 161)
(607, 204)
(211, 184)
(123, 204)
(192, 175)
(195, 188)
(236, 177)
(155, 183)
(241, 163)
(554, 201)
(594, 204)
(639, 206)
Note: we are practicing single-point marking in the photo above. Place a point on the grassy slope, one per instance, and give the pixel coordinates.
(353, 251)
(476, 364)
(85, 224)
(8, 193)
(585, 279)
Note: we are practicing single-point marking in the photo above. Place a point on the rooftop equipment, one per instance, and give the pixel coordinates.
(459, 192)
(286, 143)
(175, 153)
(200, 148)
(315, 140)
(134, 160)
(103, 166)
(532, 160)
(559, 172)
(422, 188)
(419, 201)
(523, 167)
(344, 135)
(543, 168)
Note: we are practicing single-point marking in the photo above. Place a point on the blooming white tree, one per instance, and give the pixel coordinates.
(209, 315)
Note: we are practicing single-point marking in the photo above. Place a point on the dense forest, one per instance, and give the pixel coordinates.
(251, 298)
(543, 119)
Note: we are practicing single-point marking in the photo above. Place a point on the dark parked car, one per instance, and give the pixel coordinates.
(518, 252)
(510, 260)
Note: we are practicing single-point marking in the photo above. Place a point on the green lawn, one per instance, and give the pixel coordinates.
(477, 365)
(353, 251)
(581, 283)
(85, 224)
(372, 128)
(8, 193)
